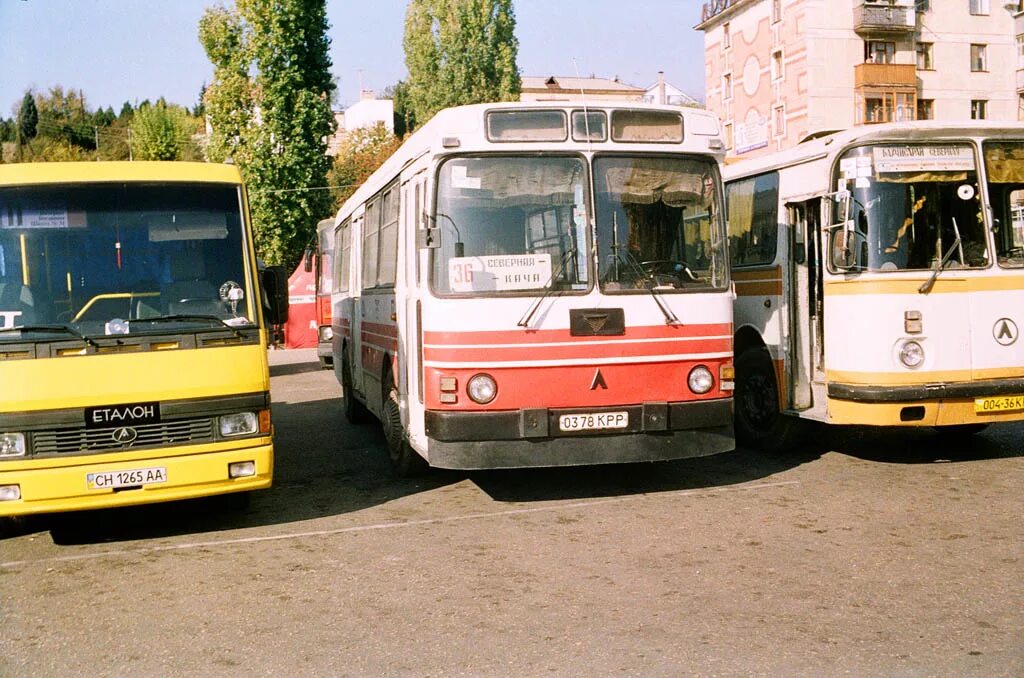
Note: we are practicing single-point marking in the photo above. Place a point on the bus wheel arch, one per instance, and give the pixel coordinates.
(405, 461)
(760, 422)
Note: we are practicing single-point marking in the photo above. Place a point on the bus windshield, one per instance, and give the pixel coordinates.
(511, 225)
(912, 207)
(658, 224)
(121, 258)
(1004, 165)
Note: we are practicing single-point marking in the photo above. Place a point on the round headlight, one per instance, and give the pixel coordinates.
(482, 388)
(912, 354)
(700, 379)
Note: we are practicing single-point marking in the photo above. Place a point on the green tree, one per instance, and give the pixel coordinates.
(162, 132)
(228, 100)
(459, 52)
(362, 152)
(28, 119)
(404, 120)
(275, 126)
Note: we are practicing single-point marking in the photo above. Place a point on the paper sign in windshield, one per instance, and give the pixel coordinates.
(18, 217)
(893, 159)
(499, 272)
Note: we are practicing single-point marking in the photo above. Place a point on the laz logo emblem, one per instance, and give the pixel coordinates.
(1005, 331)
(598, 381)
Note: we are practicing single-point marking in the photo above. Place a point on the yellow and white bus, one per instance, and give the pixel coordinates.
(133, 364)
(879, 275)
(540, 285)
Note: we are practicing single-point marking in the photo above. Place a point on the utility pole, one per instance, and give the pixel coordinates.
(130, 158)
(96, 133)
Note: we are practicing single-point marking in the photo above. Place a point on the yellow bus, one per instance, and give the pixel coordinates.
(879, 275)
(133, 336)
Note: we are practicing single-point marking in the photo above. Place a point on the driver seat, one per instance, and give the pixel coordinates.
(189, 283)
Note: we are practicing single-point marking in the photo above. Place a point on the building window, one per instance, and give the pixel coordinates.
(923, 5)
(979, 59)
(726, 37)
(1020, 52)
(776, 11)
(925, 109)
(879, 52)
(728, 135)
(777, 65)
(1020, 106)
(924, 56)
(727, 86)
(979, 6)
(979, 109)
(884, 106)
(779, 120)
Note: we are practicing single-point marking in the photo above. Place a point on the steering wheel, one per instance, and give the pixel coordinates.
(668, 271)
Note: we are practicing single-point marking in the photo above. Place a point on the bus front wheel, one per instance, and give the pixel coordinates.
(404, 460)
(760, 422)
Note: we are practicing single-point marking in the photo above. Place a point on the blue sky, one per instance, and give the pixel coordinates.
(131, 50)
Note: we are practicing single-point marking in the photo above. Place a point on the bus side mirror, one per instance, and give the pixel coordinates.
(307, 260)
(845, 246)
(274, 280)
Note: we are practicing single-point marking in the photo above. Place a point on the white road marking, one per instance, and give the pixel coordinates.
(388, 526)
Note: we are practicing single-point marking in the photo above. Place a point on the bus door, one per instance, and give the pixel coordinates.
(411, 359)
(804, 273)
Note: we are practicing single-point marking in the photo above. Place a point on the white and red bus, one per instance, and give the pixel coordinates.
(540, 285)
(323, 269)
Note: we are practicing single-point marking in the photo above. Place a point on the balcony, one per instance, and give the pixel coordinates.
(884, 17)
(1020, 80)
(885, 75)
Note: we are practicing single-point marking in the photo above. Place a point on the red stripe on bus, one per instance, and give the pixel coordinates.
(381, 329)
(571, 386)
(533, 337)
(567, 351)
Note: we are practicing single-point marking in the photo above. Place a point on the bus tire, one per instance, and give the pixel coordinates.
(405, 461)
(760, 423)
(355, 411)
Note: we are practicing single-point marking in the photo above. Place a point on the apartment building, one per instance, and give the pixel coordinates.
(779, 71)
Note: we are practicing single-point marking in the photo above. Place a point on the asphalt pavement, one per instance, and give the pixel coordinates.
(862, 553)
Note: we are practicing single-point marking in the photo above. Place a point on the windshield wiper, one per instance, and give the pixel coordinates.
(926, 287)
(54, 329)
(568, 256)
(185, 317)
(630, 260)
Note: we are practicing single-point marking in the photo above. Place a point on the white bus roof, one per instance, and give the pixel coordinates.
(832, 144)
(462, 129)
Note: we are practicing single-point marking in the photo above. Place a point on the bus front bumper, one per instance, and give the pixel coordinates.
(50, 489)
(939, 404)
(531, 437)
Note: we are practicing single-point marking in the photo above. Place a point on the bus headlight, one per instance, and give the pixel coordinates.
(10, 492)
(912, 354)
(12, 444)
(326, 333)
(482, 388)
(700, 379)
(239, 424)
